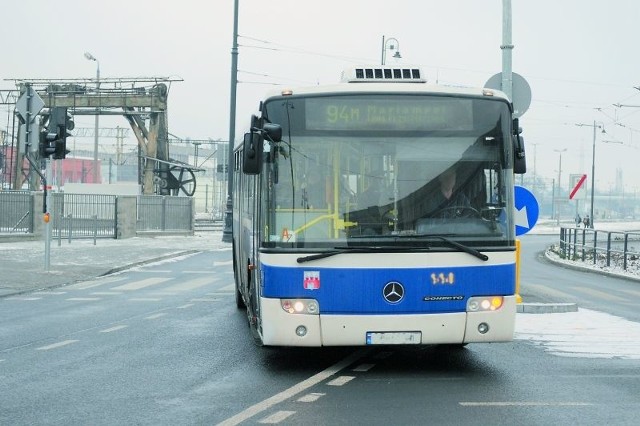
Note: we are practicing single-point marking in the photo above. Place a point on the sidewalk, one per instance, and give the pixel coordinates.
(22, 264)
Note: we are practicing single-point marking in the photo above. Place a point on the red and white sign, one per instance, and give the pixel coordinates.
(577, 186)
(311, 280)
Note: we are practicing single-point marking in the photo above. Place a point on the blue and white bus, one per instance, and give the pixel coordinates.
(341, 234)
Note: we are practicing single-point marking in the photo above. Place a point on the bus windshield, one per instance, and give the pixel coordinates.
(387, 169)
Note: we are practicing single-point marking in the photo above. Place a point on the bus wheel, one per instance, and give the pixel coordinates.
(239, 302)
(236, 278)
(253, 314)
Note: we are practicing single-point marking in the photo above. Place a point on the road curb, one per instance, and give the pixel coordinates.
(579, 266)
(150, 260)
(546, 308)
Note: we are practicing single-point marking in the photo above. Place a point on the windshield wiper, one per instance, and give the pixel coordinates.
(457, 245)
(378, 249)
(375, 249)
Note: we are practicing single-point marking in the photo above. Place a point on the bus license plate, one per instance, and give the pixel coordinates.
(394, 338)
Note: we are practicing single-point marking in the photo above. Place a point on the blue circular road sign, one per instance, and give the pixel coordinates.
(526, 210)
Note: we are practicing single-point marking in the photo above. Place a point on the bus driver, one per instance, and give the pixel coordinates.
(447, 203)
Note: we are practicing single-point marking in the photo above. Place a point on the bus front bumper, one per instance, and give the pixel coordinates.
(280, 328)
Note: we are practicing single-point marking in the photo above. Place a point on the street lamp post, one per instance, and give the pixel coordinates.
(90, 57)
(560, 151)
(227, 232)
(390, 44)
(595, 126)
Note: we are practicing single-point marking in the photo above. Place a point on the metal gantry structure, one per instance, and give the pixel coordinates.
(141, 101)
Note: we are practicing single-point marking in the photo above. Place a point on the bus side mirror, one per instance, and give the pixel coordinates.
(252, 153)
(519, 159)
(273, 132)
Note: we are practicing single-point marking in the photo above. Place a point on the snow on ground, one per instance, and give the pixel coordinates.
(582, 334)
(633, 264)
(586, 333)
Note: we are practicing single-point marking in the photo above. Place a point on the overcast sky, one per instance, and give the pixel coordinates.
(580, 57)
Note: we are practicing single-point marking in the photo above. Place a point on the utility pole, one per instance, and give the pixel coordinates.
(227, 232)
(595, 126)
(560, 151)
(507, 47)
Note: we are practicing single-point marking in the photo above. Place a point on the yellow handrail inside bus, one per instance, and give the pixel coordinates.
(338, 224)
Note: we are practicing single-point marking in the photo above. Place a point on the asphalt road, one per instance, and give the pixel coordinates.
(163, 343)
(547, 282)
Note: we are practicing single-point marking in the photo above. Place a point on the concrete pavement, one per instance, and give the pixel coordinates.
(22, 263)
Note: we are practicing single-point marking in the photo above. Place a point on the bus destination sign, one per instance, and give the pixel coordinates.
(362, 114)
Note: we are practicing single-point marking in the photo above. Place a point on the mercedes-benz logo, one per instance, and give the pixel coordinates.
(393, 292)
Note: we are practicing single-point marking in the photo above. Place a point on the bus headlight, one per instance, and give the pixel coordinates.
(484, 303)
(300, 306)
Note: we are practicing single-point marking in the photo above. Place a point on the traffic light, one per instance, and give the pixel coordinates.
(47, 143)
(53, 140)
(65, 123)
(61, 143)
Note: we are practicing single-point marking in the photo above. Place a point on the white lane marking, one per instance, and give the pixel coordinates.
(294, 390)
(145, 299)
(364, 367)
(24, 298)
(2, 360)
(525, 404)
(83, 299)
(223, 263)
(311, 397)
(198, 272)
(599, 294)
(582, 334)
(56, 345)
(188, 305)
(191, 284)
(156, 316)
(53, 293)
(106, 293)
(631, 292)
(116, 328)
(229, 288)
(340, 381)
(276, 417)
(94, 283)
(137, 285)
(143, 269)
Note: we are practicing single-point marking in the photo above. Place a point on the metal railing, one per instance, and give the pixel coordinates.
(603, 248)
(84, 215)
(95, 215)
(163, 213)
(16, 212)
